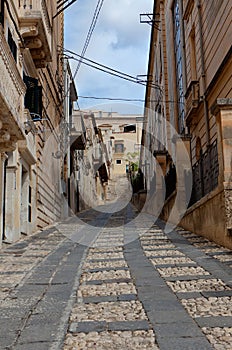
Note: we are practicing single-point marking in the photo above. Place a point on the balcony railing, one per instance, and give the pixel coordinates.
(205, 174)
(35, 27)
(12, 90)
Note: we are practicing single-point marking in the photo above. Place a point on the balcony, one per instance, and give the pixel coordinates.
(35, 28)
(12, 91)
(78, 133)
(192, 100)
(27, 147)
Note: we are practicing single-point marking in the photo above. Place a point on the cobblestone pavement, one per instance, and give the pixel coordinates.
(159, 291)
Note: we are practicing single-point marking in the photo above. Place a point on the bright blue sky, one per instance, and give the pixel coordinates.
(119, 41)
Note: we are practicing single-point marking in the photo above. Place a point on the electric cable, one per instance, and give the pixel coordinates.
(87, 40)
(112, 98)
(110, 71)
(62, 7)
(128, 99)
(89, 34)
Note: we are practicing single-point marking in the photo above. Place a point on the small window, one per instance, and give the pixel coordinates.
(130, 128)
(118, 161)
(119, 147)
(29, 204)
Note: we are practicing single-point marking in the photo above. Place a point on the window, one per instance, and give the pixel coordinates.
(119, 147)
(130, 128)
(33, 97)
(179, 65)
(193, 55)
(118, 161)
(2, 12)
(29, 204)
(12, 45)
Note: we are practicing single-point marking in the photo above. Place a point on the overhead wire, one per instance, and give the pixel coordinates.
(89, 34)
(109, 70)
(127, 99)
(61, 7)
(88, 37)
(112, 98)
(93, 64)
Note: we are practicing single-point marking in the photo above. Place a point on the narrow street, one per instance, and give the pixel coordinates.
(107, 281)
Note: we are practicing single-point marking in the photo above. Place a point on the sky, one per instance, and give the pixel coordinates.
(119, 41)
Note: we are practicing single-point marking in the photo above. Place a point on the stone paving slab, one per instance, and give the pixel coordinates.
(118, 280)
(105, 259)
(215, 321)
(187, 278)
(177, 330)
(161, 266)
(109, 298)
(216, 294)
(100, 269)
(188, 295)
(86, 327)
(184, 343)
(129, 325)
(36, 345)
(101, 326)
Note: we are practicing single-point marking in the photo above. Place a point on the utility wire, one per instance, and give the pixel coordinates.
(109, 70)
(62, 8)
(112, 98)
(127, 99)
(87, 40)
(89, 34)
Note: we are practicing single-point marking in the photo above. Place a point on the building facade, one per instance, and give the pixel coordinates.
(122, 135)
(189, 92)
(89, 163)
(31, 109)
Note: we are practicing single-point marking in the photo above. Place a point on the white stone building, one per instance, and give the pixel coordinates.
(89, 163)
(122, 135)
(30, 113)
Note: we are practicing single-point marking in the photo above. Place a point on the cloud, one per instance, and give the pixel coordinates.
(119, 41)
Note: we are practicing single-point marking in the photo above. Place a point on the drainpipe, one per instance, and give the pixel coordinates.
(206, 113)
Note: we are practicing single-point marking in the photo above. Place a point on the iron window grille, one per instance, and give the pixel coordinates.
(205, 174)
(33, 97)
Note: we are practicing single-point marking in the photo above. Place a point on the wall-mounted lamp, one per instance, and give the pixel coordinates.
(29, 127)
